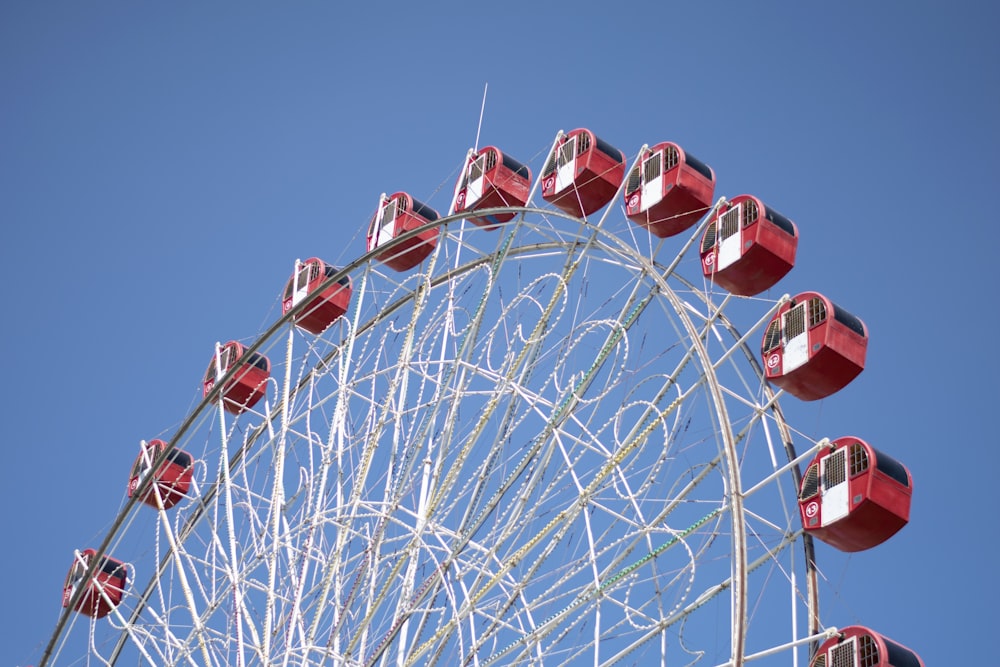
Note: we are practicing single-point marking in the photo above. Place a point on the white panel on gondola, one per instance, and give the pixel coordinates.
(835, 489)
(475, 187)
(652, 180)
(386, 226)
(301, 283)
(796, 338)
(730, 237)
(567, 165)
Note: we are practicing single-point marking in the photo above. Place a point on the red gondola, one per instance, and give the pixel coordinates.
(668, 190)
(324, 308)
(171, 480)
(249, 382)
(103, 592)
(854, 497)
(856, 646)
(748, 247)
(813, 348)
(583, 173)
(491, 179)
(395, 215)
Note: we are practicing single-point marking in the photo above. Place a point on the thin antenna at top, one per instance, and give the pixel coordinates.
(481, 110)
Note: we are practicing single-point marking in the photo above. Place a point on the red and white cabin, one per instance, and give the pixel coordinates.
(813, 347)
(323, 309)
(582, 174)
(102, 592)
(854, 497)
(669, 190)
(397, 214)
(748, 247)
(857, 646)
(490, 180)
(248, 383)
(172, 478)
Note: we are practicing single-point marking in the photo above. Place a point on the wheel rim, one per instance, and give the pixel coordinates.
(483, 463)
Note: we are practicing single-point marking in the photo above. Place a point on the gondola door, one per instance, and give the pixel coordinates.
(796, 337)
(652, 180)
(223, 358)
(730, 233)
(143, 466)
(834, 491)
(844, 654)
(301, 287)
(474, 186)
(74, 578)
(566, 163)
(386, 224)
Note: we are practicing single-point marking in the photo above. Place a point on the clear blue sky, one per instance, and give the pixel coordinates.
(163, 164)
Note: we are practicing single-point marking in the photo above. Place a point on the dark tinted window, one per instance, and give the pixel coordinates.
(780, 221)
(610, 150)
(424, 211)
(516, 167)
(810, 483)
(550, 163)
(772, 337)
(112, 568)
(900, 656)
(329, 272)
(258, 360)
(848, 320)
(180, 457)
(708, 240)
(698, 166)
(633, 179)
(891, 467)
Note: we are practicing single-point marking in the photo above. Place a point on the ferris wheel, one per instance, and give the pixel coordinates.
(511, 434)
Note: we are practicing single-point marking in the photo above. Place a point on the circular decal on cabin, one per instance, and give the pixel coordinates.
(633, 201)
(133, 484)
(710, 258)
(549, 183)
(773, 361)
(812, 509)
